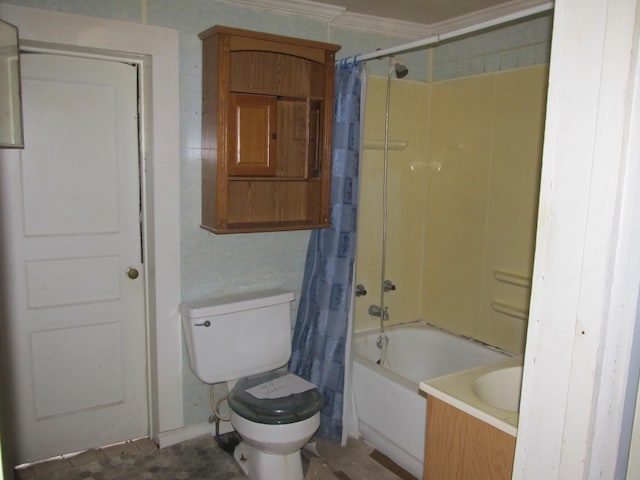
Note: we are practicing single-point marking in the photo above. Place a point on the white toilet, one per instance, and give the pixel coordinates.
(243, 338)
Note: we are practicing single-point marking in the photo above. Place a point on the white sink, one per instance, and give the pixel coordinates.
(500, 388)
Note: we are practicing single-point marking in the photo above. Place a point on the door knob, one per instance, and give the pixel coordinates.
(132, 273)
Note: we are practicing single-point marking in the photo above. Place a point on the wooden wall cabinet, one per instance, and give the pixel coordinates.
(267, 118)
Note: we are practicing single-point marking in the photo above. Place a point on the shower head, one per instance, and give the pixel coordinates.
(397, 65)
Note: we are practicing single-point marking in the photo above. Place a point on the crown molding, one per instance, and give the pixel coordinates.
(305, 8)
(385, 26)
(336, 16)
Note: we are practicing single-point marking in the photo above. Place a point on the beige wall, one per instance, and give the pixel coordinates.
(406, 199)
(512, 207)
(462, 203)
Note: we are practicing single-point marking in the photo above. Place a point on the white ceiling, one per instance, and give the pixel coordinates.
(400, 18)
(427, 12)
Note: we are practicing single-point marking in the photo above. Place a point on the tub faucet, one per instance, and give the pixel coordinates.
(388, 285)
(376, 311)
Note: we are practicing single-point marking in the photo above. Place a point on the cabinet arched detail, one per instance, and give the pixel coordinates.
(266, 131)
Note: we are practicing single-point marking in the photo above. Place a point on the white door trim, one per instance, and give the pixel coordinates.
(157, 50)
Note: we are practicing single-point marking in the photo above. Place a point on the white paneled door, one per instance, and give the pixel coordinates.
(73, 286)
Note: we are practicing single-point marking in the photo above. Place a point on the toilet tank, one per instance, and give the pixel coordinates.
(234, 336)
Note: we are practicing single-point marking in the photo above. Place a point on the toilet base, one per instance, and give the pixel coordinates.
(258, 465)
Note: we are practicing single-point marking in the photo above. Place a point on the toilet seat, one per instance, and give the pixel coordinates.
(279, 411)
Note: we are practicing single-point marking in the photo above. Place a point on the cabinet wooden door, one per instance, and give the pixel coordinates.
(253, 135)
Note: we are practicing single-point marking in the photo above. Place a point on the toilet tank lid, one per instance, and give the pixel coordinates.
(235, 303)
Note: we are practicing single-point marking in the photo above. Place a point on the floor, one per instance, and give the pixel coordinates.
(202, 458)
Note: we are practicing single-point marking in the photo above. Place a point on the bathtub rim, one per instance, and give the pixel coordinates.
(430, 326)
(405, 382)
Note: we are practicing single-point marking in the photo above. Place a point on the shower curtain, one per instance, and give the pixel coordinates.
(321, 340)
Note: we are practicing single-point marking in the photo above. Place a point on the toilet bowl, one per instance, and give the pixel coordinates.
(244, 339)
(270, 452)
(273, 429)
(276, 439)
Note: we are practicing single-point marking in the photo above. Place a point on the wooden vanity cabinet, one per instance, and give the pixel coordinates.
(267, 118)
(458, 446)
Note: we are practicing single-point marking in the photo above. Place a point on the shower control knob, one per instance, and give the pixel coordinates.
(360, 290)
(388, 285)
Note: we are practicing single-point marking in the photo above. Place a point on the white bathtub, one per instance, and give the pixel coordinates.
(391, 412)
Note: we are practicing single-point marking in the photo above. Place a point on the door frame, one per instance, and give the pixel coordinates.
(155, 51)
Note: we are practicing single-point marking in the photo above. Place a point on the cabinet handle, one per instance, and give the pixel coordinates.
(274, 136)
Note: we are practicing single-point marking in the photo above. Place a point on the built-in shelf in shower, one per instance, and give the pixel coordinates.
(379, 144)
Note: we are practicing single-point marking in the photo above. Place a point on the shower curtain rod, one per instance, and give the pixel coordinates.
(385, 52)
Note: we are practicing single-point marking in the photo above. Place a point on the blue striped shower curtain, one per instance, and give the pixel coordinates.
(321, 329)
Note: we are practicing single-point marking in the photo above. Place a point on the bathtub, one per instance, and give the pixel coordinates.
(390, 410)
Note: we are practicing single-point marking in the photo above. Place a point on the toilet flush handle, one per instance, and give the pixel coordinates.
(206, 323)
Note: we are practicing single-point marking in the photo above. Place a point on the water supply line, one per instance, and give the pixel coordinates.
(385, 176)
(216, 416)
(383, 340)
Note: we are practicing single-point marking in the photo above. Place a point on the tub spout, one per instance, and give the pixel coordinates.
(376, 311)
